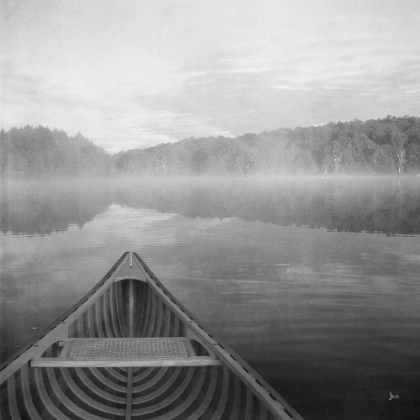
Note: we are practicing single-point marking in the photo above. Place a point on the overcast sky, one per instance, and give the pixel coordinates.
(135, 73)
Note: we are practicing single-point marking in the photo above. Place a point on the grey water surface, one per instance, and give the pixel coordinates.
(314, 282)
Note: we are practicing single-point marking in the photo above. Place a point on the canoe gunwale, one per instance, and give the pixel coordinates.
(14, 361)
(263, 390)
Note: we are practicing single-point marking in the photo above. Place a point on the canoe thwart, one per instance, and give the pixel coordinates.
(105, 352)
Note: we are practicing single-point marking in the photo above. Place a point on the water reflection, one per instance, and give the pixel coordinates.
(329, 318)
(388, 205)
(45, 207)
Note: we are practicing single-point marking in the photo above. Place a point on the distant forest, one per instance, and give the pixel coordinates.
(384, 146)
(40, 152)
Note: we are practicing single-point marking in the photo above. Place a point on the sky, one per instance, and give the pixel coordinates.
(136, 73)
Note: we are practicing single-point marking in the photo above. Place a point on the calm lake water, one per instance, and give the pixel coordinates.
(314, 282)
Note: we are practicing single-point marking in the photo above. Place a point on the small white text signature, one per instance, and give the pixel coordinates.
(393, 397)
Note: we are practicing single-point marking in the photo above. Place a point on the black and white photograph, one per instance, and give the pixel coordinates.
(209, 209)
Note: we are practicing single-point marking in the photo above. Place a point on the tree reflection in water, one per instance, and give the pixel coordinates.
(386, 205)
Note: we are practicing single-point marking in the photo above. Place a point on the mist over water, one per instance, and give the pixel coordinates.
(313, 281)
(354, 204)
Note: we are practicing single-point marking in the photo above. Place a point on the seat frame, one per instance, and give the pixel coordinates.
(135, 359)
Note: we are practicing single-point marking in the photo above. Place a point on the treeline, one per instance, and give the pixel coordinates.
(250, 153)
(30, 152)
(389, 145)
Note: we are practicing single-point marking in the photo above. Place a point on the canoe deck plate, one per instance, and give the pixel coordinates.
(113, 352)
(127, 349)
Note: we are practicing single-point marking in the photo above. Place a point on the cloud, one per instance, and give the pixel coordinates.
(217, 69)
(290, 87)
(117, 122)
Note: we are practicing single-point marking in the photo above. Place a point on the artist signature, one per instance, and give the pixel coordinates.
(393, 397)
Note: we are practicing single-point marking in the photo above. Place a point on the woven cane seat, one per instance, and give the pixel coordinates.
(127, 349)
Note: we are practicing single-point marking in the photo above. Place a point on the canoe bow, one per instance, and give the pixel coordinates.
(130, 350)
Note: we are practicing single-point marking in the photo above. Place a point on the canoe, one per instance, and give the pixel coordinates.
(130, 350)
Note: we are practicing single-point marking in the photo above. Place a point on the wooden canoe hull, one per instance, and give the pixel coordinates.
(131, 302)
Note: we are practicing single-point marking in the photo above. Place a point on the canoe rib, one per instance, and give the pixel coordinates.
(130, 303)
